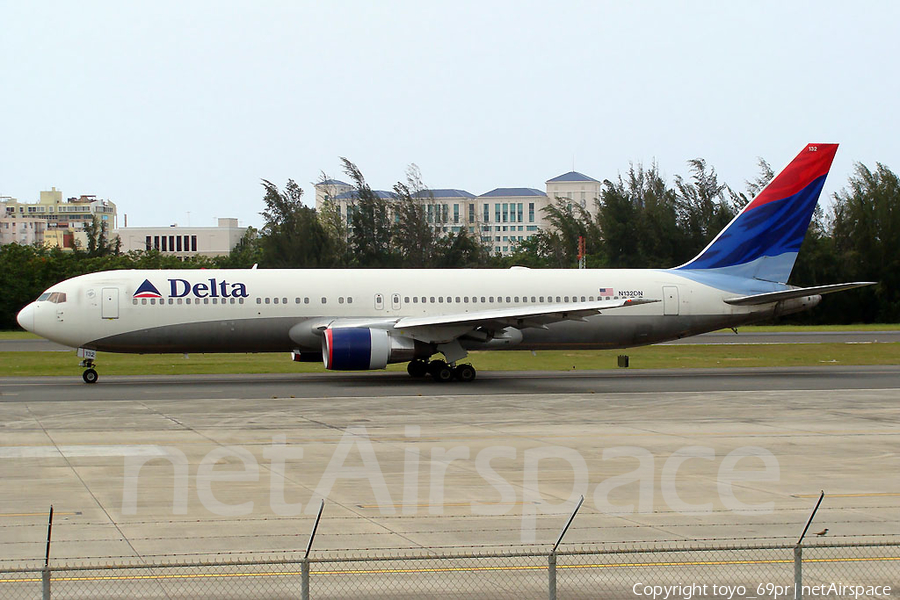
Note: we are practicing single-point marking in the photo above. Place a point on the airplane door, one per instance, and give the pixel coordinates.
(109, 306)
(670, 300)
(379, 302)
(395, 301)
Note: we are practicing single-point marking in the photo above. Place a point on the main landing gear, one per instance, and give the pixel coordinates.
(441, 371)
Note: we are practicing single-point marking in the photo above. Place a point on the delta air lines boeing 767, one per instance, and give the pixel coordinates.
(365, 319)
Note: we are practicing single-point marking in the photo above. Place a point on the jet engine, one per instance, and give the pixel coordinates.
(361, 348)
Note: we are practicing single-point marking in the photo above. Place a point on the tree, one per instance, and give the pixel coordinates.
(867, 236)
(739, 199)
(702, 209)
(368, 223)
(414, 237)
(292, 235)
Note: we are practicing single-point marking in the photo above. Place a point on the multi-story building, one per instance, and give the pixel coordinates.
(183, 241)
(54, 222)
(502, 217)
(510, 216)
(576, 188)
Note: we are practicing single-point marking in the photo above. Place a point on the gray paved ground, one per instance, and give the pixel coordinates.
(418, 474)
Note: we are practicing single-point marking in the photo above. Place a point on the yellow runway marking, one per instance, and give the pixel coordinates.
(859, 495)
(40, 514)
(456, 569)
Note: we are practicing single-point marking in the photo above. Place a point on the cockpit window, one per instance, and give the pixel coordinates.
(57, 297)
(43, 296)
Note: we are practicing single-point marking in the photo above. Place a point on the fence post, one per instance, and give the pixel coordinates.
(304, 562)
(45, 573)
(551, 559)
(551, 563)
(45, 583)
(304, 579)
(798, 572)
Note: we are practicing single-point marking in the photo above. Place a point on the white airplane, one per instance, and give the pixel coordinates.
(365, 319)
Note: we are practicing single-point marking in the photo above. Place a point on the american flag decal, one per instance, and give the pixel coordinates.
(606, 292)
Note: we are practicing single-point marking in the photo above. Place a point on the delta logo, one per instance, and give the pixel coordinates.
(147, 290)
(180, 288)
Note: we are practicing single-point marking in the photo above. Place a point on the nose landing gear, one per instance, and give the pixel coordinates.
(90, 374)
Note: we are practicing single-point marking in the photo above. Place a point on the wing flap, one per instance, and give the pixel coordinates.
(769, 297)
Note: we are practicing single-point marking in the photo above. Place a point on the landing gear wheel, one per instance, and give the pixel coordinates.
(464, 373)
(435, 366)
(442, 373)
(417, 368)
(90, 376)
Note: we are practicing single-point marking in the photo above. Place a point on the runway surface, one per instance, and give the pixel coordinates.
(384, 384)
(160, 466)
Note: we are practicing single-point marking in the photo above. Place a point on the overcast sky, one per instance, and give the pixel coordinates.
(168, 108)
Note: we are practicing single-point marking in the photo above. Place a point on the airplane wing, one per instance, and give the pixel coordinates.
(442, 328)
(795, 293)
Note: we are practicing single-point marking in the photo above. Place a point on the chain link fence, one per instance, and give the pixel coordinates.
(833, 570)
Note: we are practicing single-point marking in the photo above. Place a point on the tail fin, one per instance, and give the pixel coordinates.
(762, 242)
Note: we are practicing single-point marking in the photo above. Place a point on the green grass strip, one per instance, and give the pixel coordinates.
(32, 364)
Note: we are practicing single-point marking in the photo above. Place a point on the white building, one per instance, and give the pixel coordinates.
(183, 241)
(577, 188)
(502, 217)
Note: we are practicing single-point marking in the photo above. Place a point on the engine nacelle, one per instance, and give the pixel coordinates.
(360, 348)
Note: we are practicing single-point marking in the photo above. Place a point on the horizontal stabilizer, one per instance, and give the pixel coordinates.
(795, 293)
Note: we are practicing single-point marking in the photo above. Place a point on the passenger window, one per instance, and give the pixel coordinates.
(179, 301)
(558, 299)
(240, 300)
(533, 300)
(582, 298)
(457, 300)
(465, 299)
(350, 300)
(296, 300)
(134, 301)
(275, 300)
(441, 299)
(268, 300)
(143, 302)
(306, 301)
(406, 299)
(341, 300)
(415, 299)
(566, 299)
(258, 301)
(542, 298)
(324, 300)
(206, 301)
(507, 299)
(284, 300)
(432, 300)
(490, 298)
(482, 299)
(517, 299)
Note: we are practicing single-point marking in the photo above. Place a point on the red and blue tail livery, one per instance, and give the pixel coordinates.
(762, 242)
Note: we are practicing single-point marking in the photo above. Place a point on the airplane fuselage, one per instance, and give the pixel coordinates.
(285, 310)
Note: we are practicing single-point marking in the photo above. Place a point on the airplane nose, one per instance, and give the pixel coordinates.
(26, 317)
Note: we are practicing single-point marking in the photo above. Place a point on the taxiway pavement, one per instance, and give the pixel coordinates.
(160, 466)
